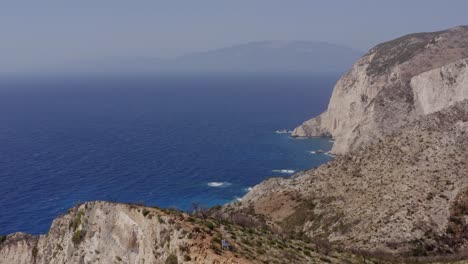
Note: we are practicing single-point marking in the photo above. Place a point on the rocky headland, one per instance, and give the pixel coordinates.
(395, 83)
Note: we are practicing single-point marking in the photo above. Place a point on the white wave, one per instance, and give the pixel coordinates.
(329, 154)
(298, 137)
(219, 184)
(248, 189)
(238, 198)
(284, 171)
(313, 152)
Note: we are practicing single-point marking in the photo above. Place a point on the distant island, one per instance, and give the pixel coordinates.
(261, 56)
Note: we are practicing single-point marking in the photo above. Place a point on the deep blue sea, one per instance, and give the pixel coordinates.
(160, 140)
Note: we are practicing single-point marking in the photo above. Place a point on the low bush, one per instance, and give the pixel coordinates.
(145, 212)
(171, 259)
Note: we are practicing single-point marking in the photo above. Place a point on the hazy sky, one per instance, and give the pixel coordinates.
(45, 32)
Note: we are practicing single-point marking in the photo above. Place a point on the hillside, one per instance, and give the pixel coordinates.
(103, 232)
(403, 195)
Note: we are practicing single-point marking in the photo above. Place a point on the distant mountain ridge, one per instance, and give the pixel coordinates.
(260, 56)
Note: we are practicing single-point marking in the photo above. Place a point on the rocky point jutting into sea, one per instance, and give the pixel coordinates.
(398, 191)
(395, 83)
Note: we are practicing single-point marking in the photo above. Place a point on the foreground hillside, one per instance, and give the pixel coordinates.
(102, 232)
(404, 195)
(394, 84)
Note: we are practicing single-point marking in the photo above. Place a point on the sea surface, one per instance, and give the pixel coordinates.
(169, 141)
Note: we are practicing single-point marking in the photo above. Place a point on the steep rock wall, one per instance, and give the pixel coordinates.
(376, 97)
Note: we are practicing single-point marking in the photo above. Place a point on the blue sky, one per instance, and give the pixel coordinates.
(36, 33)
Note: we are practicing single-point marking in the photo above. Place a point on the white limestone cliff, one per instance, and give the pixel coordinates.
(392, 85)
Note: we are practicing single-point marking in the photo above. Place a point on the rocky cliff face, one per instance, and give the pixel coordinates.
(103, 232)
(405, 194)
(392, 85)
(100, 232)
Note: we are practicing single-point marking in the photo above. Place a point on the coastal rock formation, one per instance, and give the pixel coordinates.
(103, 232)
(406, 194)
(392, 85)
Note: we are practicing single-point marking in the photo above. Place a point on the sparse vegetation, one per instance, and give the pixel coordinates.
(171, 259)
(34, 252)
(210, 225)
(76, 238)
(391, 53)
(78, 220)
(145, 212)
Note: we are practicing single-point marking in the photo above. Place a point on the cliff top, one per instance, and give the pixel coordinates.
(397, 51)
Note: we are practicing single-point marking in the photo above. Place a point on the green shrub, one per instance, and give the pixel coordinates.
(76, 237)
(145, 212)
(216, 240)
(210, 225)
(183, 248)
(419, 251)
(77, 221)
(34, 252)
(171, 259)
(187, 258)
(2, 239)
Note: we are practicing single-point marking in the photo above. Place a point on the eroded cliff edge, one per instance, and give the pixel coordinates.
(392, 85)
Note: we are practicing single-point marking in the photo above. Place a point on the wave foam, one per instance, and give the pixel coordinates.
(248, 189)
(219, 184)
(284, 171)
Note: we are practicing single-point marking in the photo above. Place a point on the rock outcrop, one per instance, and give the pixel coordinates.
(392, 85)
(103, 232)
(405, 194)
